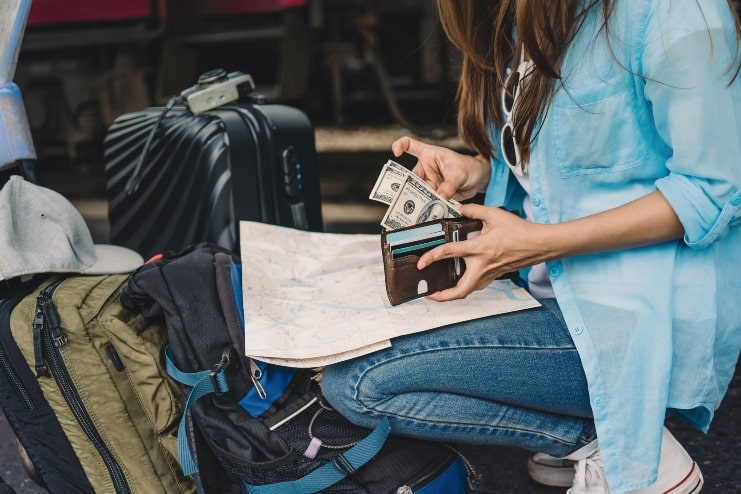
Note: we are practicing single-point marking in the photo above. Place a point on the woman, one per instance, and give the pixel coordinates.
(616, 130)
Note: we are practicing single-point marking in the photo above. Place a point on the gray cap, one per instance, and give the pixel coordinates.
(42, 232)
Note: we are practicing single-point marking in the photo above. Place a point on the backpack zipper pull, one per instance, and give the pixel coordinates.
(38, 351)
(45, 317)
(256, 375)
(52, 320)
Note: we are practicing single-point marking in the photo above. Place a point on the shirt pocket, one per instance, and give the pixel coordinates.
(597, 136)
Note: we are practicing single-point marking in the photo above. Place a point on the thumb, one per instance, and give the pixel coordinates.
(475, 211)
(408, 145)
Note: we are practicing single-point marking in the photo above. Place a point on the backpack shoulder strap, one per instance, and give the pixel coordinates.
(331, 472)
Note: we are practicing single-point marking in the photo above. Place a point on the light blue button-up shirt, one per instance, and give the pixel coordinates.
(656, 327)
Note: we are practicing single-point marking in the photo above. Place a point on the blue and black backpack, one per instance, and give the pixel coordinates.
(261, 428)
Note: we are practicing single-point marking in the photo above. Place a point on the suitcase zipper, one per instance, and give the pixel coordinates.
(23, 393)
(48, 338)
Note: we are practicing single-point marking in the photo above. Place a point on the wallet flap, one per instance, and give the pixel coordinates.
(404, 282)
(463, 229)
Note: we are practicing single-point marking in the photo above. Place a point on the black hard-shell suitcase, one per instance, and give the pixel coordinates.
(190, 171)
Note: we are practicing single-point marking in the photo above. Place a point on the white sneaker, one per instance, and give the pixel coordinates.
(589, 477)
(550, 470)
(678, 473)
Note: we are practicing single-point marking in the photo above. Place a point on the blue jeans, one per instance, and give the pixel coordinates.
(513, 379)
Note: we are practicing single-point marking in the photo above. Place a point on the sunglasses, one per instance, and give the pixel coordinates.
(510, 95)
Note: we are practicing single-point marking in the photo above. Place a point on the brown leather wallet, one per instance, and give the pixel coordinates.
(403, 247)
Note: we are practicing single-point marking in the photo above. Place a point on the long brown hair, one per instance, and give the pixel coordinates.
(482, 30)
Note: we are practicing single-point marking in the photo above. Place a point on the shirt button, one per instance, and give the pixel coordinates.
(554, 271)
(598, 402)
(536, 201)
(736, 201)
(578, 330)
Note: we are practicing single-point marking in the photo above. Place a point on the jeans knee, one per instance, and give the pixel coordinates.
(333, 384)
(339, 389)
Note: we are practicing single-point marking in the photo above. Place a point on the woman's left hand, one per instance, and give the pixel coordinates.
(507, 243)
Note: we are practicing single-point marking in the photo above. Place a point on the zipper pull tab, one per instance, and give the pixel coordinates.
(219, 370)
(38, 349)
(256, 374)
(318, 375)
(52, 321)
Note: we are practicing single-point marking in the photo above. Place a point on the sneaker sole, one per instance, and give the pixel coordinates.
(691, 484)
(550, 475)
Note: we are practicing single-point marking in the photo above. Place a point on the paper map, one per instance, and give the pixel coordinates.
(312, 299)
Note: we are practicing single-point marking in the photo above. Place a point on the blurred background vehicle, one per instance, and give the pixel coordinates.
(344, 62)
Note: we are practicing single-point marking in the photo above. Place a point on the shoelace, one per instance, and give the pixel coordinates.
(590, 476)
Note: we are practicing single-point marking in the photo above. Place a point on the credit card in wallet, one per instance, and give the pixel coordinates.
(416, 249)
(417, 240)
(413, 234)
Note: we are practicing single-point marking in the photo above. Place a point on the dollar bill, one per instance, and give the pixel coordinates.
(416, 203)
(389, 182)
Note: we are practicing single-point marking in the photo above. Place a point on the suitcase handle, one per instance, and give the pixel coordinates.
(132, 185)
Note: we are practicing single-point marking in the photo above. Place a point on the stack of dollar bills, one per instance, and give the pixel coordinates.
(410, 199)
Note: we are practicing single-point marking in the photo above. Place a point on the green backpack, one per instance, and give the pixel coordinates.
(87, 375)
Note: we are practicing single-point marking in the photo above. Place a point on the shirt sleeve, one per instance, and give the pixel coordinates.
(690, 56)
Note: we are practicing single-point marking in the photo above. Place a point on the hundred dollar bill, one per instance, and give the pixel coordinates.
(416, 203)
(389, 182)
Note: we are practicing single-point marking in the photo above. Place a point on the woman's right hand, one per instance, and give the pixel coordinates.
(452, 175)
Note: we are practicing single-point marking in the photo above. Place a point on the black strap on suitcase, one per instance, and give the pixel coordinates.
(175, 177)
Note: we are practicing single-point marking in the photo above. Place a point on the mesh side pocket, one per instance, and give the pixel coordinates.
(318, 422)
